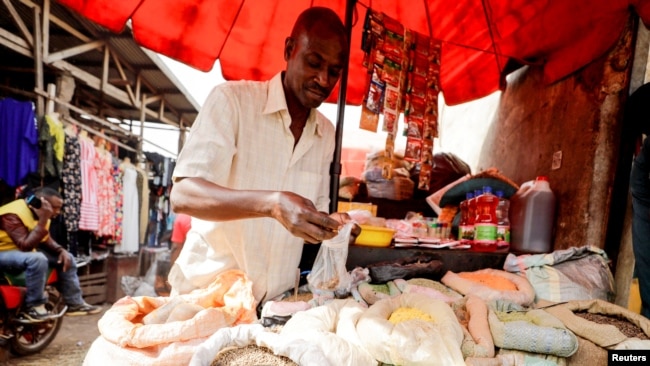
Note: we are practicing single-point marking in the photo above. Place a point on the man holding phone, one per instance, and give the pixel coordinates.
(25, 245)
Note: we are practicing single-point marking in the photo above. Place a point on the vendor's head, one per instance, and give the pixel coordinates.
(315, 54)
(52, 196)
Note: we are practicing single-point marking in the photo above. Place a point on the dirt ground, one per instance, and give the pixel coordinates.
(69, 347)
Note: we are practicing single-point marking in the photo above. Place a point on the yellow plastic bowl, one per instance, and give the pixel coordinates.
(375, 236)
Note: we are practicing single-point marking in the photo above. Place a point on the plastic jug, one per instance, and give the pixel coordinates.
(532, 215)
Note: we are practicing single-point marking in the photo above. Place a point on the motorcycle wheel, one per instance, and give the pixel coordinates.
(33, 338)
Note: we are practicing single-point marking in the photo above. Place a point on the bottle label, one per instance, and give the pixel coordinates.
(466, 233)
(503, 235)
(485, 233)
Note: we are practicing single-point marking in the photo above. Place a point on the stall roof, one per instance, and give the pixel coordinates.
(80, 47)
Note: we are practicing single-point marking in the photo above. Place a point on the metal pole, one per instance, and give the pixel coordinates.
(335, 168)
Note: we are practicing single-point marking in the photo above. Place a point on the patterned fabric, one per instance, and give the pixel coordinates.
(130, 222)
(89, 218)
(241, 140)
(105, 193)
(71, 178)
(117, 178)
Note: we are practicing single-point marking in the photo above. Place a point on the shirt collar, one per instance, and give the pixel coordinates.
(277, 102)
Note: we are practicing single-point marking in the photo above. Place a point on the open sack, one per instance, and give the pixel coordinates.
(126, 340)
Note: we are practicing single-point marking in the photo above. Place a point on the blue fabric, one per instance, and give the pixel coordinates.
(35, 265)
(640, 189)
(18, 141)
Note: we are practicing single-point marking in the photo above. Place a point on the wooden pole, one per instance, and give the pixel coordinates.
(335, 168)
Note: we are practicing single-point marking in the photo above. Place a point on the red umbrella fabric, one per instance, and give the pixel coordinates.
(479, 37)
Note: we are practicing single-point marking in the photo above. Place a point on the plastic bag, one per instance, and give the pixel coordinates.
(329, 272)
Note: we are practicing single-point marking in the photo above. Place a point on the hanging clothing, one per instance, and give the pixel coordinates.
(119, 201)
(89, 219)
(52, 139)
(130, 218)
(71, 178)
(18, 138)
(143, 202)
(105, 193)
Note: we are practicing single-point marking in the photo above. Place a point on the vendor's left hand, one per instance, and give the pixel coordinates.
(343, 218)
(64, 259)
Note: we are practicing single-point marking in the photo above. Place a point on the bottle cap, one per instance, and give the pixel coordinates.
(499, 194)
(487, 189)
(469, 195)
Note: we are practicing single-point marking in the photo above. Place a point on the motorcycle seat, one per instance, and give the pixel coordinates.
(15, 278)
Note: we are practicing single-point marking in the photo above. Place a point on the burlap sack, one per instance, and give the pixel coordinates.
(473, 316)
(603, 335)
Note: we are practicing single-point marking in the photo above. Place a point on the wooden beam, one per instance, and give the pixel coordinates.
(46, 29)
(102, 122)
(38, 61)
(73, 51)
(97, 133)
(54, 19)
(19, 22)
(151, 99)
(15, 43)
(105, 68)
(120, 70)
(70, 29)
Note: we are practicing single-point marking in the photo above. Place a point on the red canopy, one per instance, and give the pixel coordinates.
(479, 36)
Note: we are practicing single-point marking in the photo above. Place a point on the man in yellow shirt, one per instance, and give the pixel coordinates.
(25, 245)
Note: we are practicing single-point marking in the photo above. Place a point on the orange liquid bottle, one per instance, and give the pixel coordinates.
(466, 226)
(485, 223)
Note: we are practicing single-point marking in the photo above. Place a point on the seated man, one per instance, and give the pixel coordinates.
(25, 245)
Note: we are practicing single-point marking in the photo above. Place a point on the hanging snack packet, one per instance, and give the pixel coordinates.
(329, 272)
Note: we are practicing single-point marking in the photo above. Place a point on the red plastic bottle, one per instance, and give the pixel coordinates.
(485, 223)
(466, 226)
(471, 205)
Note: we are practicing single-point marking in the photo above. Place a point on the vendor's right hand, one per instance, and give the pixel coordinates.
(45, 211)
(299, 215)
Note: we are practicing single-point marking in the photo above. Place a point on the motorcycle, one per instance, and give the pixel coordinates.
(18, 334)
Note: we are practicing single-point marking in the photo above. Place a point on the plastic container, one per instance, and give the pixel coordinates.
(466, 226)
(485, 223)
(375, 236)
(532, 215)
(503, 221)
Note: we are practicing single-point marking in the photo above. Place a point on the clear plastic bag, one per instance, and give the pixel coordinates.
(329, 272)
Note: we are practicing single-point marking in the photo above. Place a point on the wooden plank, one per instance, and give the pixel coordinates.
(15, 43)
(93, 290)
(38, 62)
(73, 51)
(93, 276)
(120, 70)
(46, 29)
(19, 22)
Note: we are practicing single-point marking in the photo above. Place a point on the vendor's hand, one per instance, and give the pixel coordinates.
(45, 212)
(302, 219)
(344, 218)
(64, 259)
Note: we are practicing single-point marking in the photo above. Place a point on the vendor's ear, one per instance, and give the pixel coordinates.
(289, 47)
